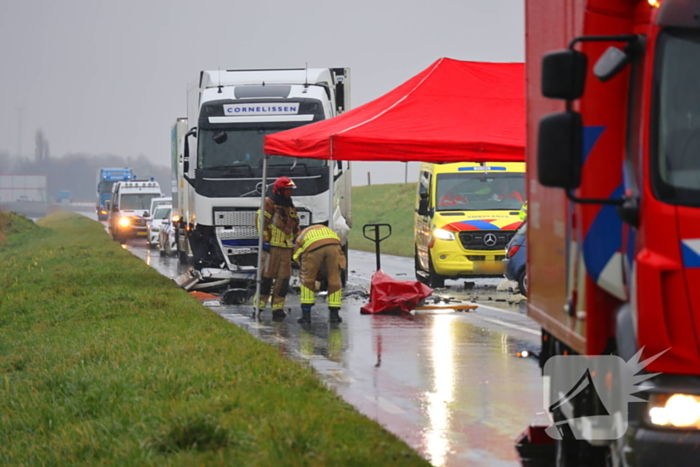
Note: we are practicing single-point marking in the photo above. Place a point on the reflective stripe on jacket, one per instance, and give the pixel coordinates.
(523, 211)
(280, 224)
(314, 237)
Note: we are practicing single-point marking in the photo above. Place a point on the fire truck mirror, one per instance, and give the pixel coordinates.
(560, 149)
(610, 63)
(564, 74)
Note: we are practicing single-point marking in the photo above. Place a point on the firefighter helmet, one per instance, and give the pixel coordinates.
(282, 183)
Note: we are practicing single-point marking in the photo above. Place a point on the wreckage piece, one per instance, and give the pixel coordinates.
(388, 295)
(447, 306)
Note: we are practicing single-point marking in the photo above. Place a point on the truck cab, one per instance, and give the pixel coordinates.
(466, 213)
(219, 163)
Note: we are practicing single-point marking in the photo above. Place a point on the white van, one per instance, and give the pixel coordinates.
(155, 202)
(159, 218)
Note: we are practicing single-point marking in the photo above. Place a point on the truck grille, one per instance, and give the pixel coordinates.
(485, 240)
(237, 218)
(236, 232)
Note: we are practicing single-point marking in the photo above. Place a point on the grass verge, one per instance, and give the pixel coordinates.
(105, 361)
(387, 204)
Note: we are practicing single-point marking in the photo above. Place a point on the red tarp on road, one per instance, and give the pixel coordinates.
(387, 295)
(454, 111)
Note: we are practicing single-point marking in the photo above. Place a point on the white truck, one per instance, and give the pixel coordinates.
(219, 169)
(129, 210)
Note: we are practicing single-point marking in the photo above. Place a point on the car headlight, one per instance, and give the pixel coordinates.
(124, 222)
(443, 234)
(676, 410)
(175, 219)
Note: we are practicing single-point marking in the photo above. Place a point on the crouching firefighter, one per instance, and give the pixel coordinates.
(280, 226)
(318, 252)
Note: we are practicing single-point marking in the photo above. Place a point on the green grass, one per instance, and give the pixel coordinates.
(103, 361)
(387, 204)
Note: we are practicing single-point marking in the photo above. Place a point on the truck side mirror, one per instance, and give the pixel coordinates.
(610, 63)
(560, 150)
(564, 74)
(423, 207)
(186, 150)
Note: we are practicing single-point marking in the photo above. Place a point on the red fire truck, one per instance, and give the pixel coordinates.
(613, 131)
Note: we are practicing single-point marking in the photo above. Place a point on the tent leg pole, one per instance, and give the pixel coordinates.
(331, 192)
(258, 274)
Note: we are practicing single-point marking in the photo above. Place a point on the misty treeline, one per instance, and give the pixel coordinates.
(78, 172)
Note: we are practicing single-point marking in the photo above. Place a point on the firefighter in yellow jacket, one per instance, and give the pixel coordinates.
(317, 250)
(280, 226)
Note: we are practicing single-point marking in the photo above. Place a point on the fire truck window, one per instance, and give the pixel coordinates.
(678, 138)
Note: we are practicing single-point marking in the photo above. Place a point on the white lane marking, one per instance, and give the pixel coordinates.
(385, 405)
(509, 325)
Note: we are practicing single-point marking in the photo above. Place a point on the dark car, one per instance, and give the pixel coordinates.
(516, 258)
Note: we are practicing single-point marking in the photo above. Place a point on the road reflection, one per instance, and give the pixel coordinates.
(448, 384)
(437, 444)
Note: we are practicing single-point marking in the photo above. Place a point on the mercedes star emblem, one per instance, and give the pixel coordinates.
(490, 239)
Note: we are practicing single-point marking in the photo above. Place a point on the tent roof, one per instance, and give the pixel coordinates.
(453, 111)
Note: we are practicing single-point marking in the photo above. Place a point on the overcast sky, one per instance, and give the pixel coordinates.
(110, 76)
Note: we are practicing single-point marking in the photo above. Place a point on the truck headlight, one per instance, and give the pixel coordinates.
(124, 222)
(443, 234)
(676, 410)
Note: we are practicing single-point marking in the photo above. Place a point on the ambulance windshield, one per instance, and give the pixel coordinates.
(480, 192)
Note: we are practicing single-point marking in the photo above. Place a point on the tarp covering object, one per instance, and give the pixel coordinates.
(388, 295)
(453, 111)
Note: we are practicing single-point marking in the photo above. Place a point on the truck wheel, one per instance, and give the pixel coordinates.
(435, 280)
(522, 282)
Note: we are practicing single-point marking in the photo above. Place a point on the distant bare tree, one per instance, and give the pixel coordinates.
(41, 149)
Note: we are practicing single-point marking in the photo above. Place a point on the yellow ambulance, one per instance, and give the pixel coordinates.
(465, 215)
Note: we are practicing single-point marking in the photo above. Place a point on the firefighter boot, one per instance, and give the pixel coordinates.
(305, 315)
(278, 311)
(334, 316)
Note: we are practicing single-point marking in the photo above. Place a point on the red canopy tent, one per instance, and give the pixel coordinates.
(453, 111)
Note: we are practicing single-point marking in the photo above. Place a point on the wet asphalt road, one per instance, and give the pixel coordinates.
(448, 383)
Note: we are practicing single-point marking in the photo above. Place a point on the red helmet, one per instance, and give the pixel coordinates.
(282, 183)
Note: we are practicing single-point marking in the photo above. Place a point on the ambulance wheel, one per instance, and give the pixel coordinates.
(435, 280)
(522, 282)
(417, 267)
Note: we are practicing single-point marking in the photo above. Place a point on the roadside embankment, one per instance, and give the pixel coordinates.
(384, 204)
(105, 361)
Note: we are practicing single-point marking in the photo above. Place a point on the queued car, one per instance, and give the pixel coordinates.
(516, 259)
(166, 240)
(156, 223)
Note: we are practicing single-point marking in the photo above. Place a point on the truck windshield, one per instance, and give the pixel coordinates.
(479, 192)
(240, 148)
(676, 166)
(105, 187)
(133, 201)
